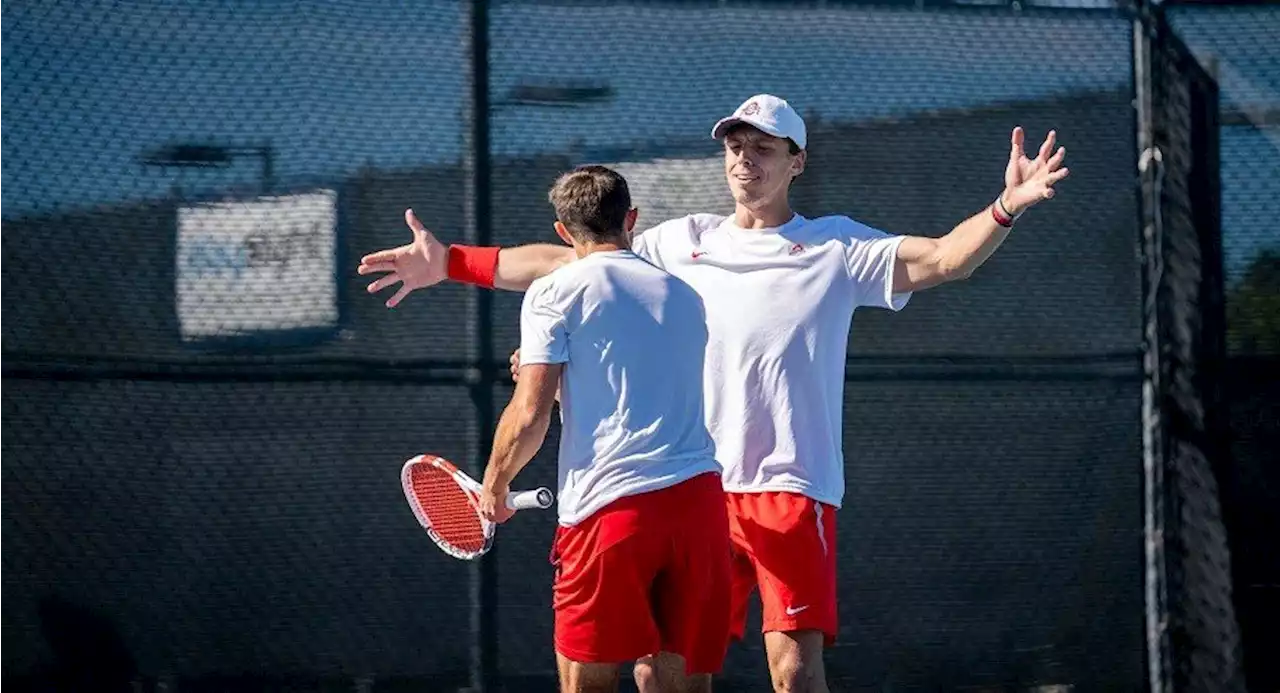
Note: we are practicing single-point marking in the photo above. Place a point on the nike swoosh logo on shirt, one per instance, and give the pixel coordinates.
(697, 254)
(792, 611)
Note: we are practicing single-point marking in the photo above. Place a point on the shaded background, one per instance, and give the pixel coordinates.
(212, 513)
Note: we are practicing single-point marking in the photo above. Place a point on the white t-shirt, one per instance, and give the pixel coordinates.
(779, 304)
(633, 339)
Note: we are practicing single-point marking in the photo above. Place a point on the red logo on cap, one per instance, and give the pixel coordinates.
(751, 109)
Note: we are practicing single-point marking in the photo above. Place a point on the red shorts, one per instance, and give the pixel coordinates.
(646, 573)
(785, 544)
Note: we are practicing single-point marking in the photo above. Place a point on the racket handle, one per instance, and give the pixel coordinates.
(537, 499)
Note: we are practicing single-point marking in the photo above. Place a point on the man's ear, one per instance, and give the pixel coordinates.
(629, 224)
(797, 166)
(563, 232)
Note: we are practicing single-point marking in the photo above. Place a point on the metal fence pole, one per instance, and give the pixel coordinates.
(1150, 163)
(484, 575)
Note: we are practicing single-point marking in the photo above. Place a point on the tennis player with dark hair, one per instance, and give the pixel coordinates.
(642, 551)
(780, 291)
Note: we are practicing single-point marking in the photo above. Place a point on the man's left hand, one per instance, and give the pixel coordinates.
(493, 504)
(1030, 181)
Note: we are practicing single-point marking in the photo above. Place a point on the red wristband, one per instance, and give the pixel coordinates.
(471, 264)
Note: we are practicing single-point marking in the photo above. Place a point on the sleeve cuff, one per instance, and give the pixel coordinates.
(530, 357)
(894, 301)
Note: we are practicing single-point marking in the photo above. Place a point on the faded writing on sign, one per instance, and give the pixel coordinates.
(207, 256)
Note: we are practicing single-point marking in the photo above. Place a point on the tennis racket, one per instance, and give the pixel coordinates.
(445, 501)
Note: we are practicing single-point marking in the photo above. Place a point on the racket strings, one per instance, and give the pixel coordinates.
(448, 509)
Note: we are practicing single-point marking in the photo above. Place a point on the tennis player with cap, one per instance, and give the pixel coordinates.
(642, 553)
(780, 291)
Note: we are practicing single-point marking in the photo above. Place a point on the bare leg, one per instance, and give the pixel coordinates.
(795, 661)
(664, 673)
(576, 677)
(646, 675)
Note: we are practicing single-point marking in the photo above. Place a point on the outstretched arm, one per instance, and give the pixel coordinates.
(519, 266)
(427, 262)
(521, 431)
(927, 262)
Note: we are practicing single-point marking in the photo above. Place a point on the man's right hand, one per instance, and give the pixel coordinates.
(515, 370)
(422, 263)
(515, 365)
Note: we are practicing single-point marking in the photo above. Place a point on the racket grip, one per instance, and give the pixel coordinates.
(537, 499)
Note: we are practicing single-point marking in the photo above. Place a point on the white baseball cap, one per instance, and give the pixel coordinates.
(769, 114)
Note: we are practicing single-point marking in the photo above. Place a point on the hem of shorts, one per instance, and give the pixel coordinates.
(789, 626)
(805, 491)
(664, 486)
(584, 657)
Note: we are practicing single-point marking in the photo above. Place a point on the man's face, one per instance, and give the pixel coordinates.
(759, 166)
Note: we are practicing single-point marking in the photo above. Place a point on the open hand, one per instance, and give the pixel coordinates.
(420, 264)
(1030, 181)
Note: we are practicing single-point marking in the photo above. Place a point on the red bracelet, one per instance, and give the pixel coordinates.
(471, 264)
(998, 213)
(995, 213)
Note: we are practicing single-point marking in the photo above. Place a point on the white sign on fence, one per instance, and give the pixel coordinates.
(257, 266)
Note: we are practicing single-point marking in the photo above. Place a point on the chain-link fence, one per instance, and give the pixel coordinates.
(204, 414)
(1238, 48)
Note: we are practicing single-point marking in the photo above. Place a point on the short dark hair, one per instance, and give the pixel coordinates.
(792, 147)
(592, 202)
